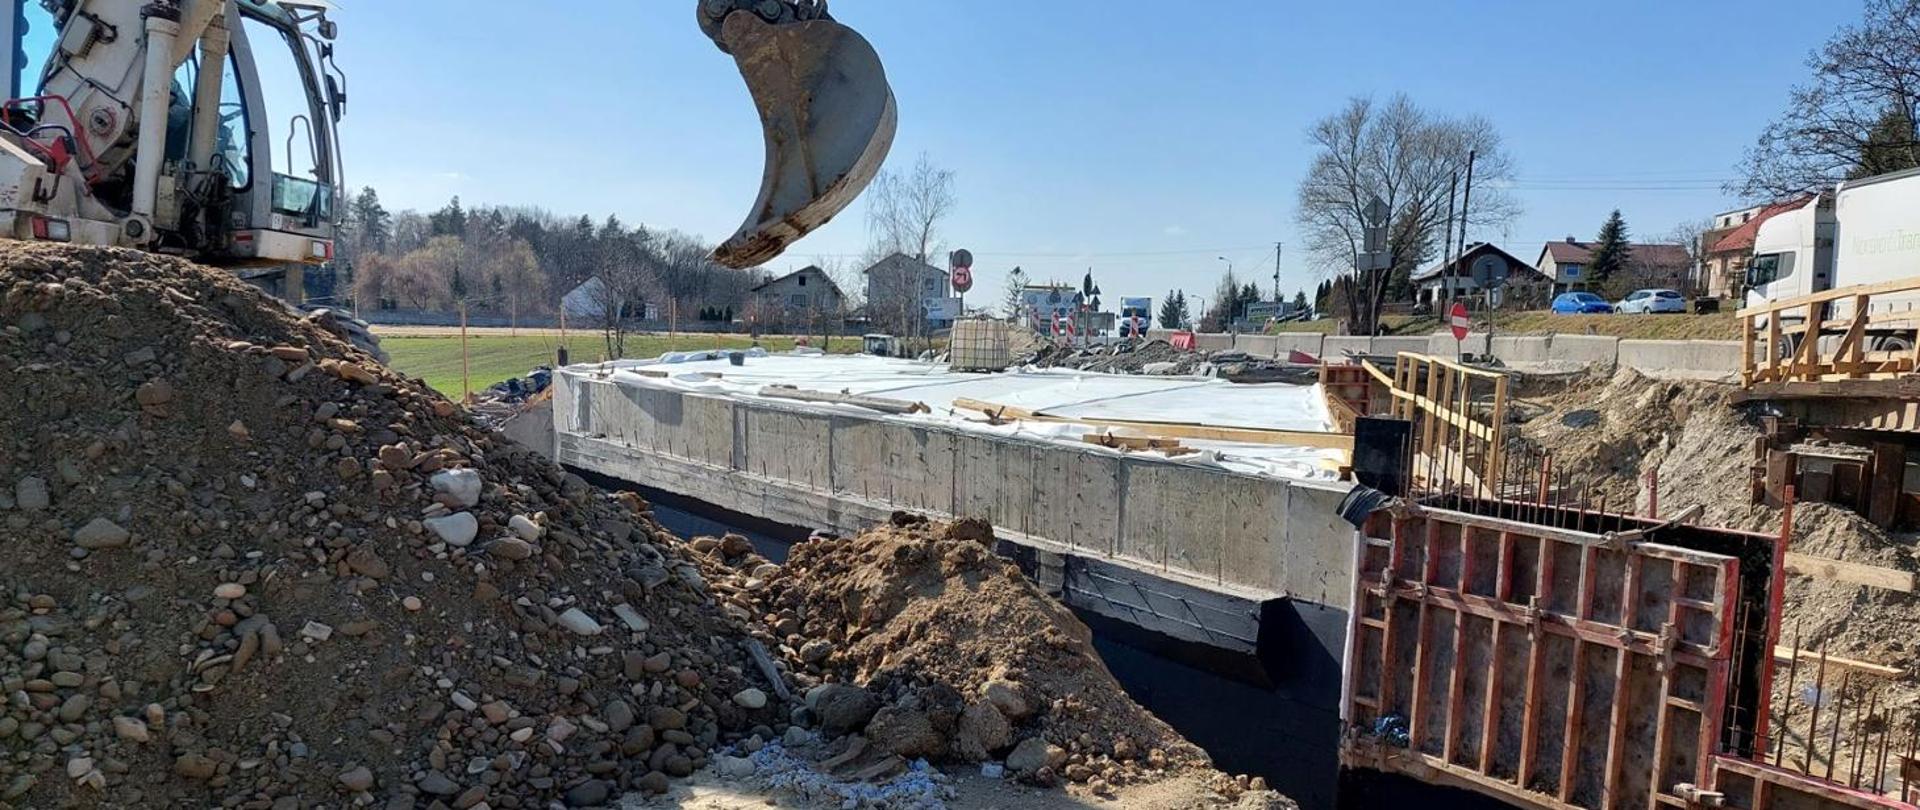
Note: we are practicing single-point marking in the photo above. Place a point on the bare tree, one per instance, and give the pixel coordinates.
(1856, 119)
(1690, 235)
(904, 212)
(1408, 158)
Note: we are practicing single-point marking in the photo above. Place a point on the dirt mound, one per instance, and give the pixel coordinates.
(246, 566)
(1611, 431)
(917, 637)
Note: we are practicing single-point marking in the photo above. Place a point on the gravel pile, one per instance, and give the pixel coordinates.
(246, 566)
(914, 641)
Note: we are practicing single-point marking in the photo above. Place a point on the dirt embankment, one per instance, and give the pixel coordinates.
(1612, 431)
(246, 566)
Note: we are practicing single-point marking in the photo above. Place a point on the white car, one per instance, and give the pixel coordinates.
(1651, 301)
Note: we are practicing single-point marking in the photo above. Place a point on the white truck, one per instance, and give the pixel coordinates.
(1864, 232)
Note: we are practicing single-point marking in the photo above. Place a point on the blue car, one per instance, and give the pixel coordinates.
(1581, 303)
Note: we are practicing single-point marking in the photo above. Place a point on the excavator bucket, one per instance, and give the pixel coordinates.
(828, 116)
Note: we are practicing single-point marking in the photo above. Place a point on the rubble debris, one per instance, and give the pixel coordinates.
(1158, 357)
(192, 615)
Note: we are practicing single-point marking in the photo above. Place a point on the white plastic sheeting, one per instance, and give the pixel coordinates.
(1058, 392)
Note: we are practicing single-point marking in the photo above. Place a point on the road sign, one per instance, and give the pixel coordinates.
(942, 309)
(1374, 260)
(1377, 212)
(1459, 320)
(1489, 271)
(962, 279)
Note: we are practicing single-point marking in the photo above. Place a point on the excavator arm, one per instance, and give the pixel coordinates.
(826, 111)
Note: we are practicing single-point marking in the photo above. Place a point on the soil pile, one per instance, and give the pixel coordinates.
(246, 566)
(917, 638)
(1610, 432)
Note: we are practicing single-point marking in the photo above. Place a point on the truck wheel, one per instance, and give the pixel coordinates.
(1890, 343)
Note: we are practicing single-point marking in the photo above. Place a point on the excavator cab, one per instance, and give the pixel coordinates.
(826, 111)
(204, 128)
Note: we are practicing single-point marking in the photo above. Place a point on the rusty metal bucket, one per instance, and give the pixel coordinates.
(828, 115)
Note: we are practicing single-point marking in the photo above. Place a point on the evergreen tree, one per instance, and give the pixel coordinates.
(1892, 145)
(373, 226)
(1299, 299)
(1173, 310)
(1014, 303)
(1249, 294)
(448, 221)
(1611, 252)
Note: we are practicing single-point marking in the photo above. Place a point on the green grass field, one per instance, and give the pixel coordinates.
(493, 358)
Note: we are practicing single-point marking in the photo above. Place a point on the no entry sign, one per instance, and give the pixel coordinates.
(1459, 320)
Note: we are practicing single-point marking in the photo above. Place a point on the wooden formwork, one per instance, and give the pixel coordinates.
(1547, 667)
(1459, 416)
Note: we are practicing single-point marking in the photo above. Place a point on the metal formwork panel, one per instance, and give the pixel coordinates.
(1547, 667)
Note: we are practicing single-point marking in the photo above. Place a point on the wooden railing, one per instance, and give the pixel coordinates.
(1459, 416)
(1831, 336)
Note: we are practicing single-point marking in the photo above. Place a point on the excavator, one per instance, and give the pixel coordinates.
(210, 128)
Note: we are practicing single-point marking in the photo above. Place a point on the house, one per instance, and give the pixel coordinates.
(1467, 274)
(802, 297)
(588, 302)
(898, 287)
(1724, 251)
(1565, 262)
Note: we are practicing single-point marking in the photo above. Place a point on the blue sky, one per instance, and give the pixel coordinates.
(1143, 140)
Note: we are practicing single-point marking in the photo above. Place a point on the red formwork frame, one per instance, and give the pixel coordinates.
(1525, 609)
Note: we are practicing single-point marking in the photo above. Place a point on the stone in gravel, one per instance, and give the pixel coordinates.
(462, 485)
(364, 561)
(561, 730)
(437, 784)
(580, 623)
(524, 527)
(131, 729)
(666, 718)
(195, 766)
(412, 603)
(733, 767)
(816, 651)
(591, 793)
(457, 529)
(358, 780)
(154, 392)
(1029, 756)
(75, 708)
(655, 783)
(101, 533)
(316, 632)
(618, 715)
(1005, 696)
(750, 699)
(497, 712)
(842, 708)
(30, 494)
(229, 591)
(982, 730)
(631, 618)
(510, 548)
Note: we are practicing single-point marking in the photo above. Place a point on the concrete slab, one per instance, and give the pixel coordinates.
(1586, 350)
(1256, 345)
(1335, 347)
(1297, 342)
(1417, 344)
(1682, 359)
(1521, 349)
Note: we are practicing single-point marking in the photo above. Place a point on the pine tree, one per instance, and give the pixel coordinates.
(1173, 310)
(1299, 299)
(1892, 145)
(449, 221)
(1611, 252)
(1014, 303)
(373, 225)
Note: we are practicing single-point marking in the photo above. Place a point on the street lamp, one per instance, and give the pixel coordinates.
(1226, 317)
(1203, 310)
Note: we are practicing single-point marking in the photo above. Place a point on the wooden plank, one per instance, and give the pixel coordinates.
(1784, 653)
(1889, 471)
(881, 404)
(1853, 573)
(1182, 430)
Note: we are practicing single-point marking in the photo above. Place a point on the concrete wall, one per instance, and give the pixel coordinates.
(1696, 359)
(1256, 537)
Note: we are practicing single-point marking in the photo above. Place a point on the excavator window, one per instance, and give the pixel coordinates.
(232, 148)
(36, 40)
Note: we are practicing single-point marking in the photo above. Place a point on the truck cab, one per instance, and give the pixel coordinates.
(1793, 253)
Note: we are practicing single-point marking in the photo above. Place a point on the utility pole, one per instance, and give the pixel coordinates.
(1277, 248)
(1446, 248)
(1466, 201)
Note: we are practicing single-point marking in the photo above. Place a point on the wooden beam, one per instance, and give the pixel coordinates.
(1784, 653)
(881, 404)
(1872, 576)
(1181, 430)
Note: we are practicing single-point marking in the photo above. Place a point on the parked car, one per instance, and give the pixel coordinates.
(1580, 303)
(1646, 302)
